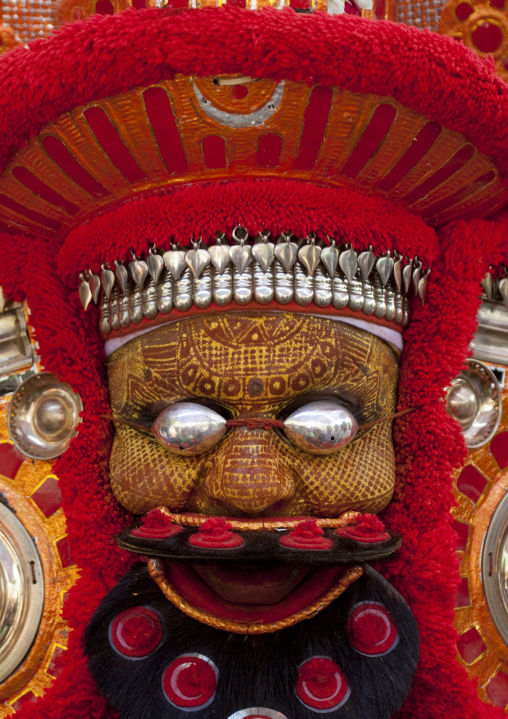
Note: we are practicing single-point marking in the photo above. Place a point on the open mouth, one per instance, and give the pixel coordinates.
(250, 599)
(251, 584)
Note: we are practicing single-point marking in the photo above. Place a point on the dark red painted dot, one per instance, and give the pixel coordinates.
(471, 483)
(57, 661)
(499, 4)
(322, 685)
(462, 530)
(48, 497)
(497, 690)
(239, 91)
(371, 629)
(64, 552)
(104, 7)
(463, 598)
(487, 36)
(470, 645)
(190, 681)
(27, 698)
(499, 448)
(136, 632)
(463, 11)
(10, 460)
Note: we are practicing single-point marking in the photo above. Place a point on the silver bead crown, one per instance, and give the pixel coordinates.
(302, 270)
(495, 286)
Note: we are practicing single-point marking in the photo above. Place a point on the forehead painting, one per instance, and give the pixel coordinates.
(251, 364)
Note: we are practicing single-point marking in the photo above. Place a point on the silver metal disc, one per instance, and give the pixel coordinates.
(474, 400)
(495, 568)
(43, 415)
(257, 713)
(21, 592)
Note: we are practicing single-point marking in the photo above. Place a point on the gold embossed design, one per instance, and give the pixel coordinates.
(475, 518)
(265, 524)
(155, 567)
(476, 22)
(33, 675)
(474, 183)
(253, 364)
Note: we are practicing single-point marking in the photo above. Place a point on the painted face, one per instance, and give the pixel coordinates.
(263, 365)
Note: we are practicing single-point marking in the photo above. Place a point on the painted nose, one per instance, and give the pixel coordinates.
(249, 473)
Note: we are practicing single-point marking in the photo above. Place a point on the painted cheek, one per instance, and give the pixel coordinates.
(144, 475)
(360, 477)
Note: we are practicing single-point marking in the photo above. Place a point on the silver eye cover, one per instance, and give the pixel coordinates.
(188, 428)
(321, 427)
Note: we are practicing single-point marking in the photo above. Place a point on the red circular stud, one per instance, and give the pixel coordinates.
(487, 36)
(463, 10)
(190, 681)
(135, 633)
(306, 535)
(216, 533)
(371, 629)
(322, 685)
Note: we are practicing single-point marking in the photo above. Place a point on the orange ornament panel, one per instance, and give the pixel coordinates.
(193, 130)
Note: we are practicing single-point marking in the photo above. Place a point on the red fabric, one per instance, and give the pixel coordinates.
(428, 445)
(104, 56)
(216, 533)
(306, 535)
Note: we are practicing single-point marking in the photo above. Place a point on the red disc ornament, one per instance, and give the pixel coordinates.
(371, 629)
(306, 535)
(136, 633)
(190, 681)
(322, 685)
(216, 533)
(155, 525)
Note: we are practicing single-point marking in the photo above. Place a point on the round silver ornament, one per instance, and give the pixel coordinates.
(43, 416)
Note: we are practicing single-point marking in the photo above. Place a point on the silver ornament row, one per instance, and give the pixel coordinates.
(496, 288)
(287, 271)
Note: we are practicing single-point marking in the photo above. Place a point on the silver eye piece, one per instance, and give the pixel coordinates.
(321, 427)
(189, 428)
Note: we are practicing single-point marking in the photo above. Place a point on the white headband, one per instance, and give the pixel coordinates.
(392, 337)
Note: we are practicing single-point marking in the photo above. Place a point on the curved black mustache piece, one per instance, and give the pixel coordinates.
(253, 671)
(258, 547)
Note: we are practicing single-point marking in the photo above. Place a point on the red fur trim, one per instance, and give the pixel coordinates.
(428, 446)
(275, 205)
(104, 56)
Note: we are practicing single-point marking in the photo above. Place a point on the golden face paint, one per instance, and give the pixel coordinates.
(253, 364)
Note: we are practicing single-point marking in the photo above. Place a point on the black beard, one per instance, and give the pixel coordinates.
(254, 671)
